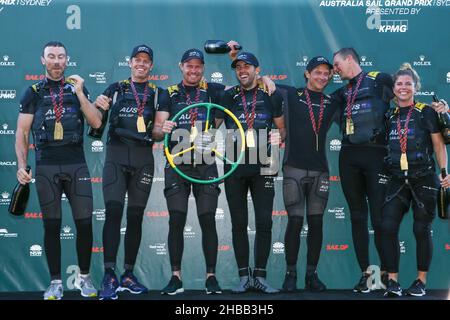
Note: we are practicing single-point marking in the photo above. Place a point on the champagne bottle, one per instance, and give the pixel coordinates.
(443, 199)
(218, 46)
(20, 197)
(444, 123)
(97, 133)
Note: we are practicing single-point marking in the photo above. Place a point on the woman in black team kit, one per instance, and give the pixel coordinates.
(128, 168)
(414, 135)
(364, 102)
(308, 114)
(256, 110)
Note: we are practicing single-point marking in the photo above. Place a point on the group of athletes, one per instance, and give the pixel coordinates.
(386, 165)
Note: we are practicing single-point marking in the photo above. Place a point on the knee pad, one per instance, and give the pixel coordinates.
(177, 197)
(291, 193)
(208, 196)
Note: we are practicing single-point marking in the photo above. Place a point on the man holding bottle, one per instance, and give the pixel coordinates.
(54, 110)
(128, 169)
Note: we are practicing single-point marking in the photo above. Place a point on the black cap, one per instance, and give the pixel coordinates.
(316, 61)
(247, 57)
(192, 54)
(142, 48)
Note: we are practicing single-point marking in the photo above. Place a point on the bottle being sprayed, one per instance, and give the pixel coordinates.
(218, 46)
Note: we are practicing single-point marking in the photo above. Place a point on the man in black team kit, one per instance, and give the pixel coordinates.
(308, 114)
(192, 89)
(128, 169)
(364, 102)
(256, 110)
(54, 110)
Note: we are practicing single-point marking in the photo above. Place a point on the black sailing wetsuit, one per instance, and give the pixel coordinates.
(305, 170)
(60, 167)
(361, 157)
(177, 189)
(248, 176)
(129, 167)
(419, 188)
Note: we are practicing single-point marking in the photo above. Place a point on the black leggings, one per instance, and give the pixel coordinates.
(422, 193)
(127, 169)
(52, 245)
(300, 188)
(177, 191)
(74, 180)
(363, 178)
(262, 191)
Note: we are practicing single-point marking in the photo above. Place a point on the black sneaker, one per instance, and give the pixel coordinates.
(393, 289)
(290, 282)
(260, 284)
(243, 286)
(362, 284)
(212, 286)
(417, 289)
(313, 283)
(174, 287)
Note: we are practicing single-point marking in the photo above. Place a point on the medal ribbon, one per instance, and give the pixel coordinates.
(58, 107)
(249, 118)
(351, 95)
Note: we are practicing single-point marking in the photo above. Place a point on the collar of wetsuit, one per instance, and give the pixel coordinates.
(139, 84)
(188, 88)
(314, 93)
(52, 83)
(354, 80)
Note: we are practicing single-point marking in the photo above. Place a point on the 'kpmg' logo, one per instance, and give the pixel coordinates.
(7, 94)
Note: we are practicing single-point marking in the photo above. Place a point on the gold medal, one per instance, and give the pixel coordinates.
(403, 162)
(141, 124)
(349, 127)
(58, 134)
(194, 133)
(250, 138)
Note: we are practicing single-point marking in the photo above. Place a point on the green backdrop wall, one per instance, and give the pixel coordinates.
(99, 36)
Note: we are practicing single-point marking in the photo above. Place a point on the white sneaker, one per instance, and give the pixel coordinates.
(54, 291)
(85, 285)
